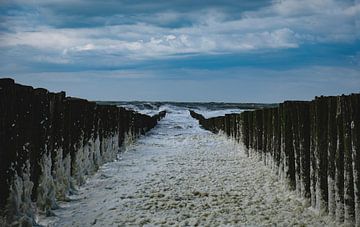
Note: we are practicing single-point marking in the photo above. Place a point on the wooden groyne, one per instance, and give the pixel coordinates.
(50, 142)
(313, 146)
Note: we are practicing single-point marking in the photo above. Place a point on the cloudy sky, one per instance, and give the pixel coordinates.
(183, 50)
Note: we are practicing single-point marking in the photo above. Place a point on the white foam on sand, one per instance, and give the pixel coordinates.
(181, 174)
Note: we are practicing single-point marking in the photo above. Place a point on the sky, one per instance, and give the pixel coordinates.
(183, 50)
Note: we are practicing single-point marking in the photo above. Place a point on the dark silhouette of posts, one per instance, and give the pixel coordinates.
(49, 142)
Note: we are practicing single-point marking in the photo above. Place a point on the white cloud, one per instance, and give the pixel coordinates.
(284, 24)
(39, 39)
(153, 42)
(305, 7)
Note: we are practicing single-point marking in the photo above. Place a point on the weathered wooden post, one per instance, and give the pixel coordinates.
(255, 133)
(339, 161)
(264, 139)
(348, 164)
(245, 131)
(282, 142)
(259, 133)
(239, 122)
(304, 148)
(294, 114)
(39, 140)
(332, 142)
(17, 129)
(269, 136)
(227, 125)
(273, 137)
(276, 139)
(313, 166)
(355, 144)
(321, 143)
(235, 126)
(251, 131)
(287, 148)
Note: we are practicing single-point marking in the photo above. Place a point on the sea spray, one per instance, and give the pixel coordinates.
(128, 140)
(20, 210)
(61, 175)
(78, 163)
(46, 192)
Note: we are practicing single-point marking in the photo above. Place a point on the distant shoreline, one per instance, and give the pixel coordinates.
(209, 105)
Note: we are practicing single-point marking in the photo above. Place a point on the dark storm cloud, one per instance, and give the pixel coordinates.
(92, 13)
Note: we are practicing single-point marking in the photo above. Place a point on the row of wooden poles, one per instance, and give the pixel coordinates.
(313, 146)
(36, 125)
